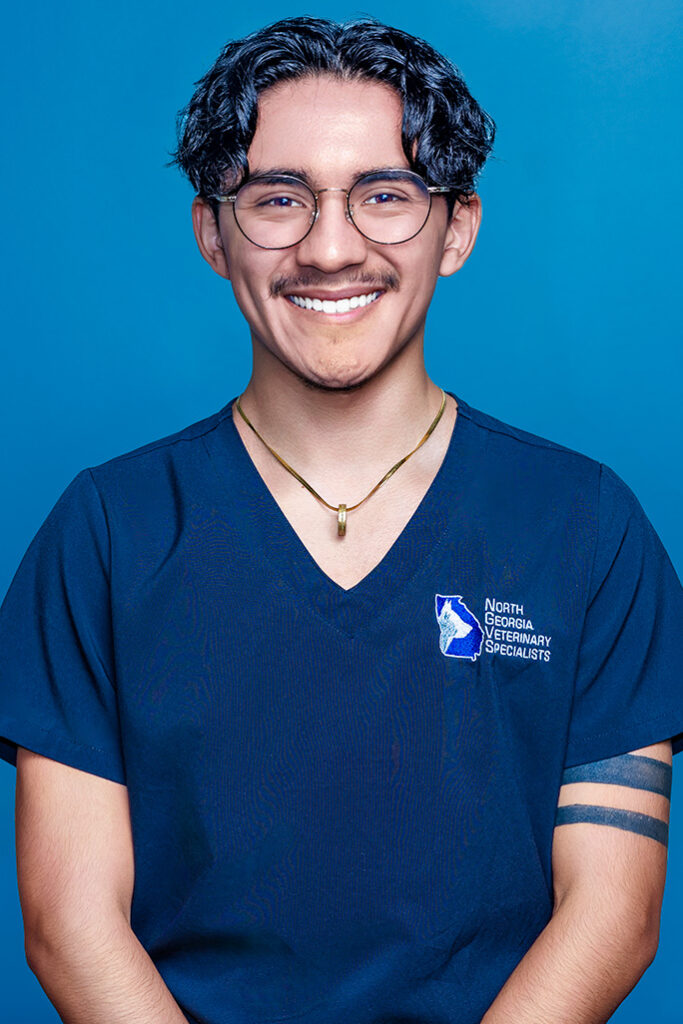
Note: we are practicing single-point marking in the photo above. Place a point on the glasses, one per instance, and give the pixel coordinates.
(276, 211)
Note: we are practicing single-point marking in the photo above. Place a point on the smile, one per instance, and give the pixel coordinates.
(344, 305)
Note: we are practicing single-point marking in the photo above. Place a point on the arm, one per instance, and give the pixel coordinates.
(608, 881)
(75, 874)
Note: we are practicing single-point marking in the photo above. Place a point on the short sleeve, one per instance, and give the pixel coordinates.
(629, 683)
(57, 684)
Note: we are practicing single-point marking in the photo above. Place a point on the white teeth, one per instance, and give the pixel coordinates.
(332, 306)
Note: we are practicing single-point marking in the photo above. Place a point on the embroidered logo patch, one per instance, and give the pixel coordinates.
(461, 634)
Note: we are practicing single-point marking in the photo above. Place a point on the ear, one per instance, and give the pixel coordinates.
(209, 238)
(461, 234)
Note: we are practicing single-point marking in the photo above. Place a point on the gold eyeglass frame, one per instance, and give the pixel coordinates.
(430, 189)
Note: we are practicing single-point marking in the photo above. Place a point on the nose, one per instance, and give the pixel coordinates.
(333, 242)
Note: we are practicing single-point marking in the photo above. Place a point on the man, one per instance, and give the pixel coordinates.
(348, 703)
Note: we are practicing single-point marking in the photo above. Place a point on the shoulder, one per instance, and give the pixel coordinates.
(523, 446)
(510, 450)
(157, 480)
(177, 447)
(145, 496)
(532, 470)
(540, 480)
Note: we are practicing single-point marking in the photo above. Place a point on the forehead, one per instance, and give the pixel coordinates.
(332, 128)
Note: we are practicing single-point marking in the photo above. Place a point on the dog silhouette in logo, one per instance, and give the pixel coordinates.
(461, 635)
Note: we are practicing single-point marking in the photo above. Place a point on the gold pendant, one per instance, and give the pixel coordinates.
(341, 521)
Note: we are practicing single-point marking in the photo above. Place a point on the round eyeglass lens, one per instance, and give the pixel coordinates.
(389, 207)
(274, 213)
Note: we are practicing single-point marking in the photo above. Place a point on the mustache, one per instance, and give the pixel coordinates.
(377, 282)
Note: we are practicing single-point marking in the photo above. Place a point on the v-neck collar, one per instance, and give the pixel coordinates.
(271, 536)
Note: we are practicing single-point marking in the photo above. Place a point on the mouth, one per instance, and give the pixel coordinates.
(335, 307)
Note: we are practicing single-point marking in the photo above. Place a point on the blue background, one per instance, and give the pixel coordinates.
(563, 321)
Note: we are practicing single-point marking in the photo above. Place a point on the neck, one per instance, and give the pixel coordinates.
(354, 431)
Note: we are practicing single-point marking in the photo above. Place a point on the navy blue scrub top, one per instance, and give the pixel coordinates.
(342, 801)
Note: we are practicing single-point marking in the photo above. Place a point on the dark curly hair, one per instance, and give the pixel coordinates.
(451, 134)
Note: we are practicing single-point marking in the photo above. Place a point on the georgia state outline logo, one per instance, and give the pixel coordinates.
(461, 633)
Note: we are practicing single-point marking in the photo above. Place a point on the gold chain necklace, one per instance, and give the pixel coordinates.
(342, 509)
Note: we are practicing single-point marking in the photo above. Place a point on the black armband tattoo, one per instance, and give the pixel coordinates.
(629, 821)
(630, 770)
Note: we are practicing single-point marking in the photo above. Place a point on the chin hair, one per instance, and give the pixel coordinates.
(316, 385)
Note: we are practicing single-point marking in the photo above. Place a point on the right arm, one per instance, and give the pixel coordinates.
(75, 872)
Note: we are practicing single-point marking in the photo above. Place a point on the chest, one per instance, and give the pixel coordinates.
(378, 511)
(243, 649)
(382, 738)
(403, 736)
(370, 531)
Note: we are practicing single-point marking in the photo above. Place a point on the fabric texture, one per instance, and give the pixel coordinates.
(342, 801)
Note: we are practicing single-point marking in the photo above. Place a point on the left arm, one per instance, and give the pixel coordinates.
(609, 865)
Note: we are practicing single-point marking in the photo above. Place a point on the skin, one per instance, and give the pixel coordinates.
(350, 127)
(608, 886)
(319, 380)
(341, 398)
(317, 383)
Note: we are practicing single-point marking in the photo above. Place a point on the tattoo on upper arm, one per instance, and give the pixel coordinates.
(629, 821)
(631, 770)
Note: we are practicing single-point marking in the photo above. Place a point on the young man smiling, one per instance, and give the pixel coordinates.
(319, 373)
(348, 703)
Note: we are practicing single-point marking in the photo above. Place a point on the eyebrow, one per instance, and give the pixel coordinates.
(300, 172)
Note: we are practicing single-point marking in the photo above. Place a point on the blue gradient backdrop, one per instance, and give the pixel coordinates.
(563, 322)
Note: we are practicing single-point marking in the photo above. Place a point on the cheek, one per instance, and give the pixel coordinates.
(418, 263)
(418, 280)
(251, 269)
(251, 275)
(258, 308)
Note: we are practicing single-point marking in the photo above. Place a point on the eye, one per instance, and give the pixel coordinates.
(281, 202)
(383, 198)
(274, 196)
